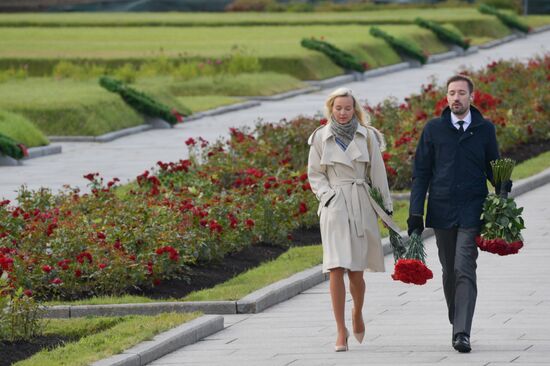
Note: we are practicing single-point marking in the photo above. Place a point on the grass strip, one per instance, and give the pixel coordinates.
(182, 19)
(112, 336)
(202, 103)
(295, 260)
(242, 85)
(531, 167)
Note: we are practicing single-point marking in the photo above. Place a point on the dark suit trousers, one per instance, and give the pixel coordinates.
(458, 254)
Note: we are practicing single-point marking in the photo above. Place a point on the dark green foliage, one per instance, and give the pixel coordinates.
(401, 46)
(339, 57)
(442, 33)
(508, 20)
(10, 148)
(141, 102)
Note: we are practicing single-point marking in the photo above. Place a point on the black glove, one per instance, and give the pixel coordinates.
(502, 189)
(415, 223)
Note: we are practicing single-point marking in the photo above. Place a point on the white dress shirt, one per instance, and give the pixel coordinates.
(467, 120)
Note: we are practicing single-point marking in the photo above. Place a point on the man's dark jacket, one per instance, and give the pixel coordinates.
(455, 167)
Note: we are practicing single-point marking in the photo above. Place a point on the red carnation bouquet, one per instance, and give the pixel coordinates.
(502, 221)
(410, 263)
(412, 267)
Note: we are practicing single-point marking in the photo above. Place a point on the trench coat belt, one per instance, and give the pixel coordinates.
(354, 211)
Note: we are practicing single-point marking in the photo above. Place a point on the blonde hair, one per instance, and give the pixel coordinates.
(359, 112)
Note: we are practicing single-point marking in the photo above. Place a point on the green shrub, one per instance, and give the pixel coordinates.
(127, 73)
(299, 7)
(14, 73)
(19, 312)
(339, 57)
(242, 63)
(141, 102)
(11, 148)
(404, 47)
(515, 5)
(72, 70)
(443, 33)
(253, 5)
(508, 20)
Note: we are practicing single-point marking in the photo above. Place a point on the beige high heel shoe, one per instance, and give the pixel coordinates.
(361, 335)
(345, 346)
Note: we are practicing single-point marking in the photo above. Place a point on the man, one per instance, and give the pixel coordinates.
(453, 161)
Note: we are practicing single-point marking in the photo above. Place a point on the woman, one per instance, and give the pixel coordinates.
(344, 161)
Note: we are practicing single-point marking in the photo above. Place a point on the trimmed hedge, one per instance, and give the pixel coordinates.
(508, 20)
(339, 57)
(443, 33)
(11, 148)
(401, 46)
(141, 102)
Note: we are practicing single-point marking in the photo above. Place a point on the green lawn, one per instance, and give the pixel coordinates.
(101, 337)
(242, 85)
(67, 107)
(277, 47)
(21, 130)
(136, 42)
(206, 102)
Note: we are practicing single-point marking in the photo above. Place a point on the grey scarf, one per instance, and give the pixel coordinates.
(344, 132)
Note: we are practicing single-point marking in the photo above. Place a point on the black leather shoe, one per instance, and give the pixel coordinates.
(462, 343)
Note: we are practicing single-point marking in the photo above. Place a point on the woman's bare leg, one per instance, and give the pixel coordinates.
(338, 296)
(357, 290)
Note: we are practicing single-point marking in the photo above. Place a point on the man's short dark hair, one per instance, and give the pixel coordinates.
(462, 78)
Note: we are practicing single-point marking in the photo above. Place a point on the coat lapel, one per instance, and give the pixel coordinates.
(356, 150)
(332, 153)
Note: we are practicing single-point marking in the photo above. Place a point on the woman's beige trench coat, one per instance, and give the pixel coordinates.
(349, 228)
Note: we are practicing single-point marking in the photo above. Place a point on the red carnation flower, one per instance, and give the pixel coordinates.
(411, 271)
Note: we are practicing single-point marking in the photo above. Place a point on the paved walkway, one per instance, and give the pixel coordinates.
(127, 157)
(406, 324)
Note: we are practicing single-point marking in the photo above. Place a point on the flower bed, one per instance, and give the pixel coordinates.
(515, 96)
(252, 188)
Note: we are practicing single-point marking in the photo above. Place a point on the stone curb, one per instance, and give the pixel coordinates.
(37, 152)
(541, 29)
(288, 94)
(166, 342)
(34, 152)
(441, 57)
(103, 138)
(280, 291)
(528, 184)
(498, 42)
(386, 69)
(252, 303)
(221, 110)
(332, 82)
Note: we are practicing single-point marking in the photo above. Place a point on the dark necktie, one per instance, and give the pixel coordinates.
(461, 128)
